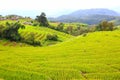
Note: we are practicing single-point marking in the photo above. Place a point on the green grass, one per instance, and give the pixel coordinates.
(95, 56)
(4, 42)
(73, 24)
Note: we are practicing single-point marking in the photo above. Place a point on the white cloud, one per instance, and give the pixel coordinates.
(54, 6)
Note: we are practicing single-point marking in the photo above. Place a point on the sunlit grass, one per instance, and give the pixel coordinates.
(41, 32)
(95, 56)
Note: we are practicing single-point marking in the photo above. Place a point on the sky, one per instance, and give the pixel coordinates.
(53, 8)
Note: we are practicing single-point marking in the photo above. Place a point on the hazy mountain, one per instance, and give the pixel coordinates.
(94, 12)
(90, 16)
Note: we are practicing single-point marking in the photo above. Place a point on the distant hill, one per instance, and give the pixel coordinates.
(89, 16)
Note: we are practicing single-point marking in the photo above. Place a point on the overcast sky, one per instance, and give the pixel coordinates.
(54, 7)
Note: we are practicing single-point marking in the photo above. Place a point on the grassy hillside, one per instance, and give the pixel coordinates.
(95, 56)
(74, 24)
(41, 33)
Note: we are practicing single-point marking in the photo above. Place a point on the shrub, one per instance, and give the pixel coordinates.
(11, 31)
(52, 37)
(60, 27)
(92, 28)
(105, 26)
(31, 40)
(52, 27)
(85, 34)
(69, 29)
(1, 30)
(31, 21)
(35, 24)
(37, 43)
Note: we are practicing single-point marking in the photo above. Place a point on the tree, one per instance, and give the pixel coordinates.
(60, 27)
(70, 29)
(105, 26)
(1, 30)
(42, 20)
(11, 31)
(111, 26)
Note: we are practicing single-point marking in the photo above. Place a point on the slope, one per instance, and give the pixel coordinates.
(40, 34)
(95, 56)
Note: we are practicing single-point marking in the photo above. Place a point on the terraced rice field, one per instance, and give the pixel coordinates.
(95, 56)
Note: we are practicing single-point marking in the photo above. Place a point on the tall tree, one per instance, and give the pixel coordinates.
(42, 20)
(11, 31)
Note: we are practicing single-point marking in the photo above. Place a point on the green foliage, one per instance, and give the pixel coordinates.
(31, 40)
(60, 27)
(84, 34)
(42, 20)
(77, 31)
(52, 37)
(11, 31)
(92, 28)
(35, 24)
(105, 26)
(1, 30)
(69, 29)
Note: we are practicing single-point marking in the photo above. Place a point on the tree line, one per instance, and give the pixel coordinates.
(10, 32)
(80, 29)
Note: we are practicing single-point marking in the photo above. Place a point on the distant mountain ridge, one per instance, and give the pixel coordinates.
(95, 11)
(89, 16)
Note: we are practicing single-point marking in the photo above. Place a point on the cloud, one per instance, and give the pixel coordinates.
(55, 6)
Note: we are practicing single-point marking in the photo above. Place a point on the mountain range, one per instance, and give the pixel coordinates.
(89, 16)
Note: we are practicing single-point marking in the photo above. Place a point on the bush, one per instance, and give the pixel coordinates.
(37, 43)
(52, 27)
(1, 30)
(60, 27)
(35, 24)
(69, 30)
(11, 31)
(85, 34)
(105, 26)
(31, 40)
(92, 28)
(31, 21)
(52, 37)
